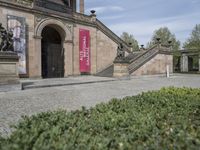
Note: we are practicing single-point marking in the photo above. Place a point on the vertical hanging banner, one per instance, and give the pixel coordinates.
(84, 50)
(18, 26)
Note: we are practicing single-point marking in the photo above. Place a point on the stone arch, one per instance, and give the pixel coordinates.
(65, 32)
(58, 25)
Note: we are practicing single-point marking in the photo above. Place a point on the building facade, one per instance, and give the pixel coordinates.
(53, 40)
(49, 37)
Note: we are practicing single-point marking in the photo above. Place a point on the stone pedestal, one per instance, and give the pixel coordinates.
(121, 70)
(184, 63)
(9, 68)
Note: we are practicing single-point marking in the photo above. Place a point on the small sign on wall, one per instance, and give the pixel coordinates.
(84, 51)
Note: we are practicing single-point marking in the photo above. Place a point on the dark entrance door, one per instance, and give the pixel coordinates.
(52, 54)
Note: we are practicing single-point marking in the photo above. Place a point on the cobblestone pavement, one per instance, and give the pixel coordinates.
(17, 103)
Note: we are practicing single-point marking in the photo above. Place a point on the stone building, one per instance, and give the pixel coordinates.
(47, 37)
(53, 40)
(187, 61)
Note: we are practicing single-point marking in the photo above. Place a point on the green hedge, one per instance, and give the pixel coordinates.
(165, 119)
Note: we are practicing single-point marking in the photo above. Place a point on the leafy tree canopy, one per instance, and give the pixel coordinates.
(165, 35)
(194, 41)
(129, 38)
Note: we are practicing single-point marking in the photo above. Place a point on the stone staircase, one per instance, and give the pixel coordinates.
(135, 60)
(128, 65)
(141, 59)
(107, 72)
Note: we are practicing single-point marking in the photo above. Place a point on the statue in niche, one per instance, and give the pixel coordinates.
(120, 52)
(6, 39)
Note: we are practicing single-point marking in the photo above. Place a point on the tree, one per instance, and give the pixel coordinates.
(129, 38)
(194, 41)
(165, 35)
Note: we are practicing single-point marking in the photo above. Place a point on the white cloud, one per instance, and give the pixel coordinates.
(143, 30)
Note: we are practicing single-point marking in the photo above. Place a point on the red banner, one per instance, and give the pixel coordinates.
(84, 50)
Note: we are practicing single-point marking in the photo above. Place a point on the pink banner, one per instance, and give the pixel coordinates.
(84, 53)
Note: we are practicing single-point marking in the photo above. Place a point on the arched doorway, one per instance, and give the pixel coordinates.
(52, 53)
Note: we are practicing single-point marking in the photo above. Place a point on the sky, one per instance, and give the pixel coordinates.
(142, 17)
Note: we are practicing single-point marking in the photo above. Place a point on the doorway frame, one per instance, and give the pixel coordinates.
(52, 57)
(65, 31)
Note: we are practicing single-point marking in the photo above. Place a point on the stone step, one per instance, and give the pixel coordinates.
(108, 72)
(44, 83)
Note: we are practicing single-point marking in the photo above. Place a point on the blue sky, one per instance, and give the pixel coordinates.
(142, 17)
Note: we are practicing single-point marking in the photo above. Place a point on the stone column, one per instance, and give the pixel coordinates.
(68, 57)
(184, 63)
(199, 63)
(81, 5)
(93, 51)
(35, 59)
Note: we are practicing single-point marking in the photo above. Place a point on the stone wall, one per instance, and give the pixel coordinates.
(103, 49)
(157, 65)
(121, 70)
(106, 51)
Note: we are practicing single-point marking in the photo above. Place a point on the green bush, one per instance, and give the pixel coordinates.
(165, 119)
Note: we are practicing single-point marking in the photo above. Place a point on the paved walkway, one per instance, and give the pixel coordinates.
(27, 102)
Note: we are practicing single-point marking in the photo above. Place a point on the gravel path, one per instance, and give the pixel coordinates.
(17, 103)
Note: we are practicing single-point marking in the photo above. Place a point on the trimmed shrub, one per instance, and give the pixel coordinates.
(165, 119)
